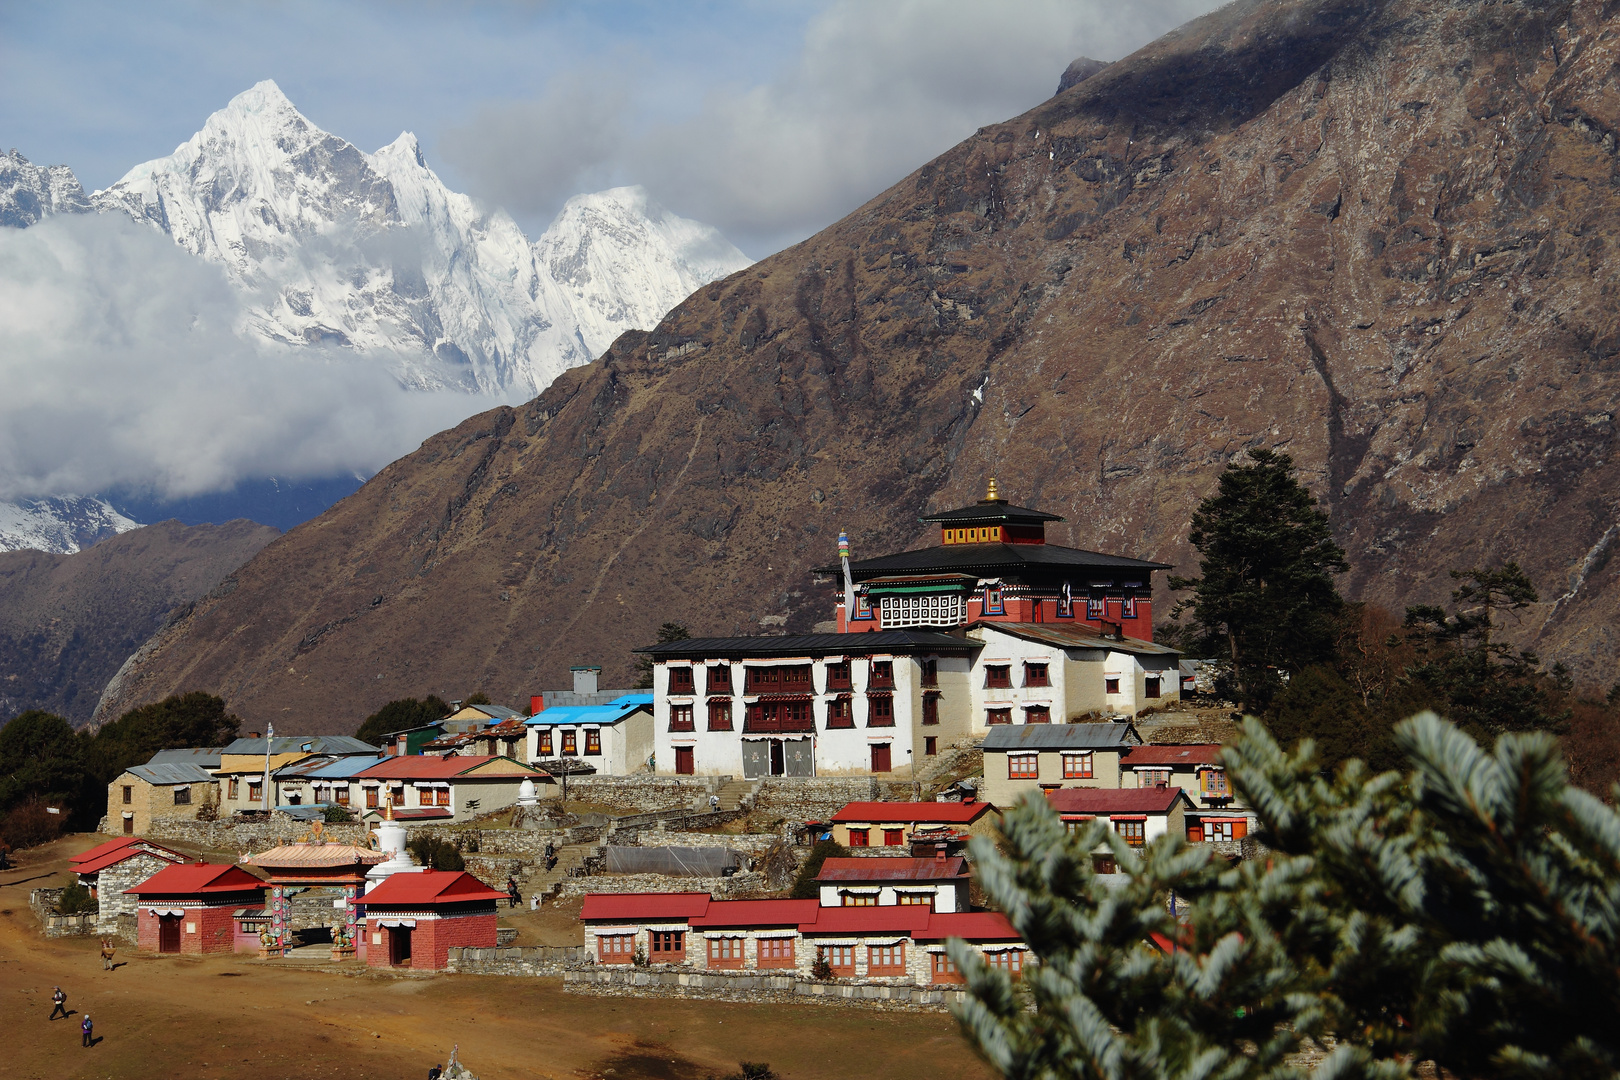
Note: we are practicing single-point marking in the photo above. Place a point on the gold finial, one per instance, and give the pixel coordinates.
(992, 495)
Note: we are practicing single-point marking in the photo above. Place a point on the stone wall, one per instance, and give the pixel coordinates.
(532, 961)
(817, 798)
(645, 793)
(753, 986)
(250, 837)
(721, 888)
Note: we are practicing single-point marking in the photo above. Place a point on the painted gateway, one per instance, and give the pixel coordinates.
(934, 648)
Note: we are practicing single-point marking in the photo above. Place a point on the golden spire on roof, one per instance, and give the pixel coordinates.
(992, 495)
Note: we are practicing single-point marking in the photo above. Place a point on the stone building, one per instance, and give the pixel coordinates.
(174, 784)
(109, 870)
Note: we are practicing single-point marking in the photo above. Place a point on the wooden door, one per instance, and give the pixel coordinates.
(880, 757)
(129, 826)
(168, 933)
(399, 945)
(683, 761)
(778, 760)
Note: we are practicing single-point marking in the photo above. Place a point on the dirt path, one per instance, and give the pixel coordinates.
(212, 1018)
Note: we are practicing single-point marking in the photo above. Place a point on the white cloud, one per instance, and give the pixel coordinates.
(122, 368)
(876, 91)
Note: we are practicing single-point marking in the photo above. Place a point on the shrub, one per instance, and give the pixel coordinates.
(30, 824)
(804, 886)
(337, 815)
(436, 852)
(76, 900)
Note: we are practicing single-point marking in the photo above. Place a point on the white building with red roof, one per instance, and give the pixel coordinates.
(1137, 814)
(426, 789)
(940, 884)
(414, 920)
(1196, 769)
(893, 942)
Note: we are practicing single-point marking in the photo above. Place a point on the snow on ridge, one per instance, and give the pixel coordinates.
(62, 524)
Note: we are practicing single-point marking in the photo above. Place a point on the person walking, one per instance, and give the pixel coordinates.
(58, 999)
(84, 1028)
(107, 953)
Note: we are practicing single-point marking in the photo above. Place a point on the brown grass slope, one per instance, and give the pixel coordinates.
(68, 621)
(1377, 234)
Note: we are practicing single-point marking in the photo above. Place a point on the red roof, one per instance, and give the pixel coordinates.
(969, 926)
(192, 879)
(424, 767)
(1153, 800)
(954, 813)
(129, 851)
(102, 849)
(632, 907)
(757, 913)
(890, 868)
(1189, 754)
(421, 813)
(890, 919)
(430, 887)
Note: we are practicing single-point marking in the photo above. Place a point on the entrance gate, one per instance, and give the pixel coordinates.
(778, 757)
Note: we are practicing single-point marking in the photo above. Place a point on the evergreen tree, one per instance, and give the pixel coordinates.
(667, 633)
(401, 715)
(1487, 686)
(175, 723)
(804, 884)
(1460, 913)
(41, 756)
(1264, 598)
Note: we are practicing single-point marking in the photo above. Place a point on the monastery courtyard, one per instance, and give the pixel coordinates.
(233, 1016)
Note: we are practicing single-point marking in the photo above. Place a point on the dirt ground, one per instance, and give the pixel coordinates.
(213, 1018)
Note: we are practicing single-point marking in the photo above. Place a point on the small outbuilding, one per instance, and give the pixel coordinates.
(109, 869)
(189, 908)
(414, 920)
(939, 884)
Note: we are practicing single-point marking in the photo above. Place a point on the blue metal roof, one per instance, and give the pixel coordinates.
(338, 768)
(610, 713)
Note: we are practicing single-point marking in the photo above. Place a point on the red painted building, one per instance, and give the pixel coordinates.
(993, 564)
(188, 908)
(413, 920)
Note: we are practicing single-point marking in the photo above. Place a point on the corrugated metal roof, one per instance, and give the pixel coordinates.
(1075, 637)
(953, 813)
(192, 878)
(590, 714)
(890, 868)
(101, 849)
(430, 888)
(724, 913)
(327, 767)
(891, 919)
(113, 858)
(310, 744)
(1154, 800)
(993, 510)
(177, 773)
(991, 560)
(812, 645)
(975, 926)
(422, 767)
(1061, 737)
(1188, 754)
(631, 907)
(206, 756)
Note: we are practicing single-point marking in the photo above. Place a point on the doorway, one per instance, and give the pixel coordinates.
(129, 825)
(778, 758)
(399, 946)
(684, 765)
(168, 933)
(880, 757)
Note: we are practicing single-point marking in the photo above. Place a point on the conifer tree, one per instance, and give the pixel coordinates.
(1264, 598)
(1462, 912)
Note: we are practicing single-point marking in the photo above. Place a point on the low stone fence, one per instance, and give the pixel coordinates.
(817, 798)
(44, 902)
(249, 836)
(745, 843)
(544, 960)
(644, 793)
(721, 888)
(753, 986)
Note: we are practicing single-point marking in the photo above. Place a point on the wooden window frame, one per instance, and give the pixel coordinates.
(1037, 714)
(992, 717)
(1037, 673)
(894, 837)
(930, 745)
(340, 793)
(616, 948)
(995, 600)
(666, 946)
(838, 676)
(543, 744)
(255, 796)
(129, 794)
(680, 718)
(1152, 686)
(1111, 684)
(681, 679)
(726, 952)
(849, 898)
(570, 739)
(593, 742)
(998, 676)
(234, 790)
(1024, 766)
(182, 795)
(893, 959)
(916, 899)
(1127, 605)
(859, 837)
(1079, 766)
(373, 798)
(720, 718)
(930, 709)
(775, 953)
(1096, 606)
(1010, 962)
(841, 712)
(1131, 830)
(944, 969)
(880, 676)
(441, 796)
(840, 959)
(718, 679)
(930, 672)
(879, 710)
(1155, 776)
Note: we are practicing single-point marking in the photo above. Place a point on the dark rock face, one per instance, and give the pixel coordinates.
(67, 622)
(1374, 234)
(1079, 71)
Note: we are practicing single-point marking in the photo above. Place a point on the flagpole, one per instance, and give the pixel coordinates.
(269, 736)
(849, 582)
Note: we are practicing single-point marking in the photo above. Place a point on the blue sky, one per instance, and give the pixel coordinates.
(769, 120)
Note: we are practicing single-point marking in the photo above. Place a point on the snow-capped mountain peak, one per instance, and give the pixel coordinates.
(29, 192)
(373, 252)
(63, 524)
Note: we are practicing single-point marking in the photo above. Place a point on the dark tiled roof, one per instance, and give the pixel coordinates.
(206, 756)
(811, 644)
(309, 744)
(993, 560)
(998, 510)
(1061, 737)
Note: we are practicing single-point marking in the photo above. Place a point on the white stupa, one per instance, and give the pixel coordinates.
(391, 841)
(526, 794)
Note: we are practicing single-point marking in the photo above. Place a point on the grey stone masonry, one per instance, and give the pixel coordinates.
(721, 888)
(111, 883)
(644, 793)
(817, 798)
(754, 986)
(515, 960)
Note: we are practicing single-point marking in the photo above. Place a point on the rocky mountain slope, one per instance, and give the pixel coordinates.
(29, 192)
(1378, 234)
(68, 621)
(373, 252)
